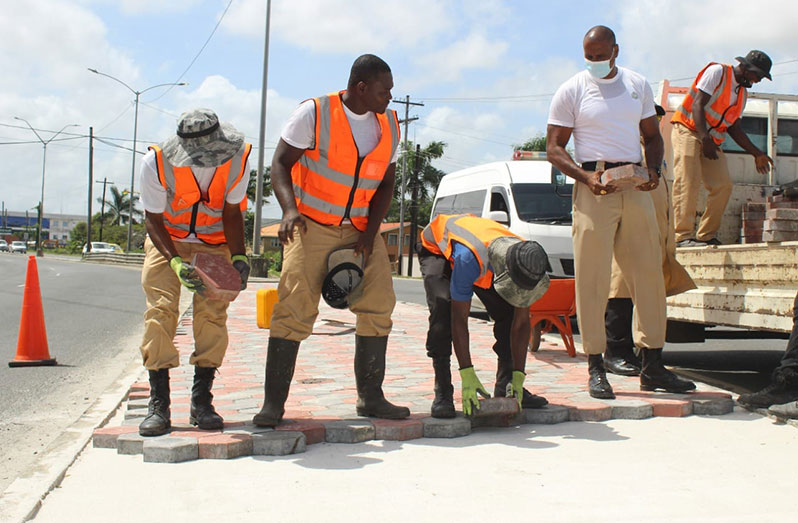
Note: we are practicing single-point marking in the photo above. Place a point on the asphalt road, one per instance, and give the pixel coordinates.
(93, 316)
(732, 359)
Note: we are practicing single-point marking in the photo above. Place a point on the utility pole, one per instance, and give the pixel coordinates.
(407, 103)
(102, 209)
(91, 177)
(261, 138)
(413, 210)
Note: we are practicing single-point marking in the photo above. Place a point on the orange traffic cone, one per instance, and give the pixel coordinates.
(32, 342)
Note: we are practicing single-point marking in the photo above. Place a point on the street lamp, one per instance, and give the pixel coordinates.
(39, 251)
(135, 131)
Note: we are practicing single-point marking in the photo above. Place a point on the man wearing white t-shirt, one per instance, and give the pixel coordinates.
(607, 108)
(711, 109)
(333, 174)
(193, 187)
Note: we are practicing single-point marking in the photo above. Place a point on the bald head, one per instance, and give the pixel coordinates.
(600, 34)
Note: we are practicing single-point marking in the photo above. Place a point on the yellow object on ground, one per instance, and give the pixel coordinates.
(265, 300)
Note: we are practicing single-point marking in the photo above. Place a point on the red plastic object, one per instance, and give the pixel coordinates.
(555, 309)
(222, 281)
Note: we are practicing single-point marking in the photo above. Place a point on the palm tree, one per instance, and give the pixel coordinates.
(428, 179)
(118, 206)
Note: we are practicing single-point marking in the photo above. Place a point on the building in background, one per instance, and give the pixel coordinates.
(22, 226)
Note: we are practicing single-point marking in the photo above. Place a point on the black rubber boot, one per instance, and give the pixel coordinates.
(655, 376)
(622, 361)
(203, 415)
(777, 393)
(504, 375)
(369, 374)
(443, 404)
(280, 362)
(158, 420)
(598, 384)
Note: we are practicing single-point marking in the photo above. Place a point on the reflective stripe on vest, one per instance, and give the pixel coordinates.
(331, 182)
(186, 210)
(473, 232)
(719, 112)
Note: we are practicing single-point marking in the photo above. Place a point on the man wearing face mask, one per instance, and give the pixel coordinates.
(607, 109)
(712, 108)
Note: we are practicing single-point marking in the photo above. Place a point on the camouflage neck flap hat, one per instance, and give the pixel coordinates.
(519, 270)
(202, 141)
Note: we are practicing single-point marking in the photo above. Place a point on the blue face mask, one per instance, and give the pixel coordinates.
(598, 69)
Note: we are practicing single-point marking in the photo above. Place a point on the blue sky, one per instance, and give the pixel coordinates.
(484, 69)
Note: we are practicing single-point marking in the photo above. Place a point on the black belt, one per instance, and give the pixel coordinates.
(591, 166)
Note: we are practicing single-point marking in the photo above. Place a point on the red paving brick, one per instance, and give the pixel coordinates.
(323, 388)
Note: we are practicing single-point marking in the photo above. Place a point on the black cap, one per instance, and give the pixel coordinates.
(660, 110)
(758, 62)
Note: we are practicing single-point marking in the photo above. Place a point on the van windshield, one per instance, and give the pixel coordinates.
(539, 202)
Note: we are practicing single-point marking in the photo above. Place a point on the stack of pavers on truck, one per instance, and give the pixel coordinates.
(775, 220)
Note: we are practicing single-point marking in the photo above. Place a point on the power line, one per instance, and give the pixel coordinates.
(199, 52)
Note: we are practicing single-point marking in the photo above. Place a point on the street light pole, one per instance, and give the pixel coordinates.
(135, 133)
(39, 250)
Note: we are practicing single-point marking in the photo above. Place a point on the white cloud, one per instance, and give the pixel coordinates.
(472, 52)
(354, 26)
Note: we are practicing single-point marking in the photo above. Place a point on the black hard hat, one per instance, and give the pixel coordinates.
(758, 62)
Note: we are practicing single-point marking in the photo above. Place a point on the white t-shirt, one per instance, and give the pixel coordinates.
(711, 79)
(300, 129)
(604, 114)
(153, 194)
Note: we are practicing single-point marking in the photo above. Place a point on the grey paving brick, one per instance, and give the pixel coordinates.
(137, 404)
(712, 406)
(138, 414)
(348, 431)
(446, 428)
(548, 415)
(225, 446)
(590, 414)
(278, 443)
(631, 409)
(170, 450)
(131, 443)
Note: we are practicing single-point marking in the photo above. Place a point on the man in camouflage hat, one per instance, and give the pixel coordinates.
(193, 187)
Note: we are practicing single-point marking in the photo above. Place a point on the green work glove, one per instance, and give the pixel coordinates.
(471, 386)
(516, 386)
(186, 275)
(241, 264)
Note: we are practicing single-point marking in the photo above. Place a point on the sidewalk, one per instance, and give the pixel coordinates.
(655, 457)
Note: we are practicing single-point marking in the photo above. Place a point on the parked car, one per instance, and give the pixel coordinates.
(3, 246)
(19, 247)
(103, 247)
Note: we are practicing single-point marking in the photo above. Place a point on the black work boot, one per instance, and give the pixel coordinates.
(158, 420)
(202, 413)
(777, 393)
(598, 384)
(504, 375)
(369, 374)
(621, 361)
(280, 362)
(655, 376)
(443, 404)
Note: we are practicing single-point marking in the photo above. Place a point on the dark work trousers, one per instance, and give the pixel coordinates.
(788, 367)
(618, 324)
(437, 273)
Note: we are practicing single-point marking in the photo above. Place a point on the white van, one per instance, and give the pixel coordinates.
(531, 197)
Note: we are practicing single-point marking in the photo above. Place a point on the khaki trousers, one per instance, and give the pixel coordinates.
(304, 269)
(677, 279)
(162, 291)
(689, 167)
(622, 224)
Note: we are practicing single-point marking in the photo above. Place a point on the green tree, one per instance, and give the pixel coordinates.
(253, 184)
(537, 143)
(118, 206)
(428, 179)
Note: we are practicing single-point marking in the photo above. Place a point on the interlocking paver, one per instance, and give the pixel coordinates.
(321, 404)
(170, 450)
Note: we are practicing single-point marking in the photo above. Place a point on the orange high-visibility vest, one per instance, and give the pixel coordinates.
(473, 232)
(331, 181)
(720, 114)
(188, 210)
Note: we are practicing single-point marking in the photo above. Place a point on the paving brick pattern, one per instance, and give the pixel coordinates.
(321, 405)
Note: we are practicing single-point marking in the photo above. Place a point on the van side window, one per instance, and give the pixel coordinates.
(498, 203)
(464, 203)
